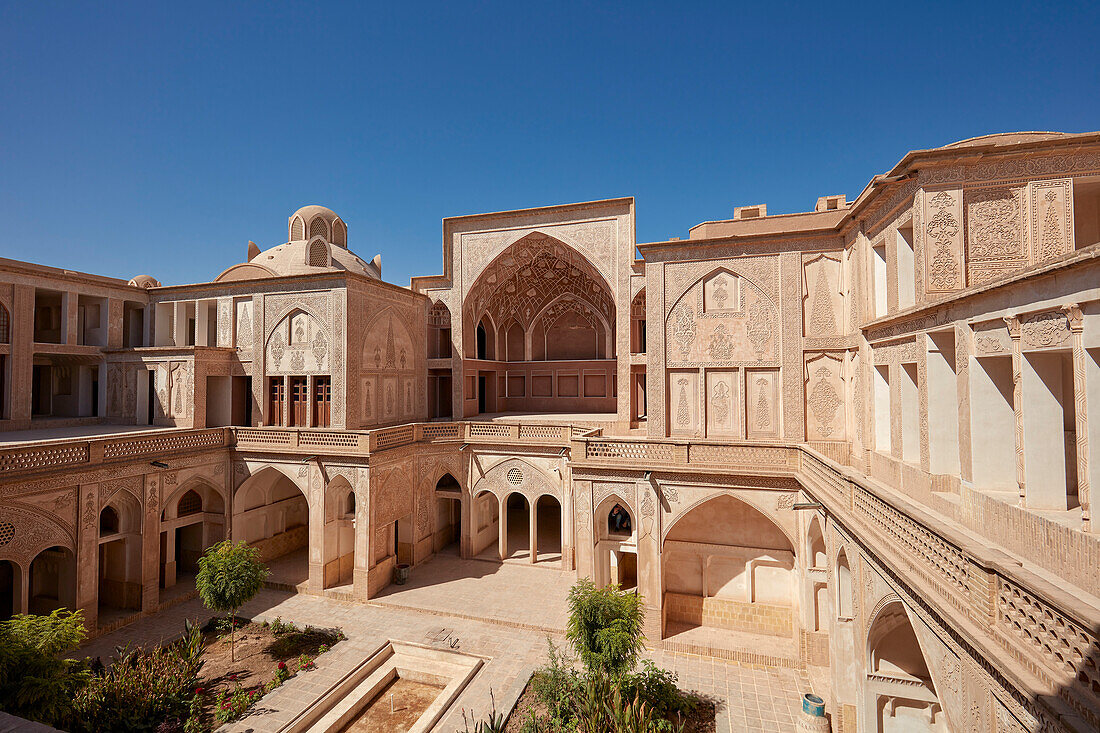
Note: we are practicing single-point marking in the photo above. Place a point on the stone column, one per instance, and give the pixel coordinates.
(361, 563)
(170, 557)
(70, 327)
(87, 555)
(316, 498)
(150, 546)
(502, 529)
(22, 602)
(1014, 331)
(22, 353)
(533, 531)
(1080, 406)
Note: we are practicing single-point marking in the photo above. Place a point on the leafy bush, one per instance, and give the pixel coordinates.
(35, 682)
(230, 575)
(605, 627)
(143, 688)
(657, 687)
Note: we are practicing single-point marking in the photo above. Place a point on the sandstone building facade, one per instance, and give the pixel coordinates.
(858, 437)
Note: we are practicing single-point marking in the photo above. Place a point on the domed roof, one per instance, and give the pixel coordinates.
(1006, 138)
(308, 212)
(144, 281)
(302, 258)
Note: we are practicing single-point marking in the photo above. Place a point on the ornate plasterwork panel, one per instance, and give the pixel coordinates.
(991, 339)
(1031, 166)
(594, 240)
(298, 345)
(996, 219)
(762, 414)
(740, 327)
(825, 390)
(683, 397)
(533, 272)
(1051, 218)
(122, 382)
(25, 531)
(942, 237)
(391, 494)
(1048, 330)
(245, 321)
(723, 402)
(517, 475)
(902, 351)
(822, 302)
(388, 360)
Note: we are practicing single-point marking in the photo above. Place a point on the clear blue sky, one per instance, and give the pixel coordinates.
(160, 138)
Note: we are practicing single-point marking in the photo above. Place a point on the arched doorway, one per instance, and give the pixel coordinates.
(554, 347)
(192, 520)
(271, 513)
(486, 526)
(448, 515)
(616, 543)
(52, 581)
(339, 533)
(516, 537)
(120, 589)
(547, 539)
(900, 693)
(726, 565)
(9, 589)
(817, 587)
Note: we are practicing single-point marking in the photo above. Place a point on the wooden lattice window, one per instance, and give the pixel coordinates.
(297, 229)
(5, 325)
(318, 228)
(190, 503)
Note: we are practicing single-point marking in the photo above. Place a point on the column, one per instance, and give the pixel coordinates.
(363, 550)
(23, 600)
(150, 546)
(87, 555)
(1080, 406)
(1013, 323)
(316, 499)
(502, 529)
(170, 558)
(69, 321)
(533, 531)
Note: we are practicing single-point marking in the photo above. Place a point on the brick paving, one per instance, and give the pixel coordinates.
(519, 604)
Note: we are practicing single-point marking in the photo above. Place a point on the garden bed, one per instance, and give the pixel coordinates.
(264, 655)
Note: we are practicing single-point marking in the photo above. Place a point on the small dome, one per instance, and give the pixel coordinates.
(301, 258)
(1006, 138)
(144, 281)
(317, 221)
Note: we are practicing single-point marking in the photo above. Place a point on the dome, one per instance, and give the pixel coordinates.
(1006, 138)
(317, 221)
(302, 258)
(144, 281)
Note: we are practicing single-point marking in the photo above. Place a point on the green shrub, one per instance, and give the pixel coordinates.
(142, 688)
(35, 682)
(657, 687)
(230, 575)
(605, 627)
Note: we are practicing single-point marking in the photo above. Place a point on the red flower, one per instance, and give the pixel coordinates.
(282, 665)
(198, 690)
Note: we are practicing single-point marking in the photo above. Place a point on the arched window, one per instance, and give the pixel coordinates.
(318, 228)
(349, 504)
(339, 233)
(5, 325)
(481, 340)
(318, 254)
(297, 229)
(618, 520)
(190, 503)
(108, 521)
(843, 587)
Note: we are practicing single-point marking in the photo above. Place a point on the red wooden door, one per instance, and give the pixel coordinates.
(276, 400)
(322, 402)
(299, 401)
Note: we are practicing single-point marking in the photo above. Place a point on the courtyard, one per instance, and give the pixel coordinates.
(503, 612)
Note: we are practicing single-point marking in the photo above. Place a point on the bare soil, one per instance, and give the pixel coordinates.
(409, 701)
(254, 662)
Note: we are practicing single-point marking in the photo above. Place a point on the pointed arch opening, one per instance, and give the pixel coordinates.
(554, 341)
(339, 535)
(52, 582)
(900, 692)
(193, 520)
(120, 557)
(271, 513)
(727, 565)
(486, 526)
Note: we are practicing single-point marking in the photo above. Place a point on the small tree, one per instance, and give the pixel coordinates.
(605, 627)
(230, 575)
(36, 682)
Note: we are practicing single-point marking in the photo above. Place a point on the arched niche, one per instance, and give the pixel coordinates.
(845, 599)
(485, 524)
(816, 556)
(271, 512)
(388, 367)
(120, 555)
(339, 534)
(900, 692)
(299, 344)
(638, 323)
(570, 328)
(193, 520)
(52, 581)
(722, 557)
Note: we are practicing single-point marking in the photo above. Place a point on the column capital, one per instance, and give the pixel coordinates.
(1013, 323)
(1075, 317)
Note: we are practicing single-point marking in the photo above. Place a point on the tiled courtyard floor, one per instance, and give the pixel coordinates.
(750, 698)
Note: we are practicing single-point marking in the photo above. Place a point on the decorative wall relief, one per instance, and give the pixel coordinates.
(1046, 330)
(996, 225)
(992, 339)
(683, 330)
(721, 292)
(723, 320)
(244, 325)
(388, 361)
(822, 302)
(298, 345)
(943, 240)
(683, 399)
(762, 403)
(824, 397)
(722, 401)
(1051, 219)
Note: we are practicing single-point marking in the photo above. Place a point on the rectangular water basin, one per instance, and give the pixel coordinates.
(400, 688)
